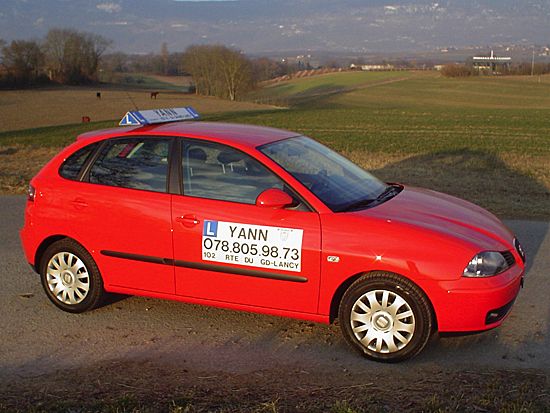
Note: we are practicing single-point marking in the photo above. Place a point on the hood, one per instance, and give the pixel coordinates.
(446, 215)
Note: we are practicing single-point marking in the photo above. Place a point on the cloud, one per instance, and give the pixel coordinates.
(109, 7)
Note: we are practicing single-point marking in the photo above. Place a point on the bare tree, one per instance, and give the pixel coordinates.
(199, 63)
(236, 72)
(94, 47)
(54, 48)
(2, 44)
(72, 56)
(218, 70)
(265, 69)
(165, 56)
(23, 61)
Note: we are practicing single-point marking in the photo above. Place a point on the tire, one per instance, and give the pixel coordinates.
(70, 277)
(386, 317)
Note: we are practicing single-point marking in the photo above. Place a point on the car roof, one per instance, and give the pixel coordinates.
(246, 135)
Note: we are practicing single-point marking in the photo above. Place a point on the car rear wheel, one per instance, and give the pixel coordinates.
(70, 277)
(386, 317)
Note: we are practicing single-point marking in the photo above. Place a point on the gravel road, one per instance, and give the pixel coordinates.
(38, 339)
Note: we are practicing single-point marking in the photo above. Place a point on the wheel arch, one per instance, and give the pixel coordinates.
(343, 287)
(44, 246)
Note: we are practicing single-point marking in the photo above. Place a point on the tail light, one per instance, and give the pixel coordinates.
(31, 193)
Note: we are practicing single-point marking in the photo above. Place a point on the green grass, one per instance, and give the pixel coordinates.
(143, 81)
(51, 136)
(424, 113)
(486, 139)
(417, 115)
(303, 89)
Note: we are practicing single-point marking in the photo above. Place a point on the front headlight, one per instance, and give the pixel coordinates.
(486, 264)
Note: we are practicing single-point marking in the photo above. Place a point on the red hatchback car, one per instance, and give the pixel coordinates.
(265, 220)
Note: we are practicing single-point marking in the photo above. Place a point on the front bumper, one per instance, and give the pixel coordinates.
(470, 304)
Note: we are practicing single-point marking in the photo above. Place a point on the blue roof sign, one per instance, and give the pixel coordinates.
(148, 117)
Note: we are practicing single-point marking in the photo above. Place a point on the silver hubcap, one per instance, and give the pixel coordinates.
(382, 321)
(68, 278)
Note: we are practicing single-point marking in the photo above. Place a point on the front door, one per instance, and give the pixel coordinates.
(227, 249)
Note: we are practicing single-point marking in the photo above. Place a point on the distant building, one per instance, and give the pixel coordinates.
(303, 62)
(371, 68)
(493, 63)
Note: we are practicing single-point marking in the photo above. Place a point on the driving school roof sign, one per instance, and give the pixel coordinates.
(148, 117)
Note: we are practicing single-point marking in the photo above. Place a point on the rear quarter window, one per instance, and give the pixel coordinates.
(70, 169)
(136, 163)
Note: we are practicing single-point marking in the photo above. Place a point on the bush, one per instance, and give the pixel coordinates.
(456, 70)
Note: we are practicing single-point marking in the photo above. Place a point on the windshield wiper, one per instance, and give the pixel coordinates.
(388, 193)
(357, 205)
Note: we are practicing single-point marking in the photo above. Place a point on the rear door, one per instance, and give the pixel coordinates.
(121, 213)
(227, 249)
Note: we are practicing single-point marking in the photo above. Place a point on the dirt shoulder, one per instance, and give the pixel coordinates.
(150, 386)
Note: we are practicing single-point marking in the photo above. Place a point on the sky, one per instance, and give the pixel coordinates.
(272, 26)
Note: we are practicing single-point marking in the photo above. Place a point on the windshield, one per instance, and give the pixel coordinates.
(335, 180)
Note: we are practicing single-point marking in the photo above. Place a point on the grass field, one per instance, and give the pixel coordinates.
(296, 91)
(152, 82)
(485, 139)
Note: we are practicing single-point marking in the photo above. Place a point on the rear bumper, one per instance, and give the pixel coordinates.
(29, 246)
(468, 305)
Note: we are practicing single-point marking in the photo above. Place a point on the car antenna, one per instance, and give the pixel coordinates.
(132, 100)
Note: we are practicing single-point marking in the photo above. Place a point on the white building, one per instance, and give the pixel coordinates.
(492, 62)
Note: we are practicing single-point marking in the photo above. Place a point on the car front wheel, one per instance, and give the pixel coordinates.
(70, 277)
(386, 317)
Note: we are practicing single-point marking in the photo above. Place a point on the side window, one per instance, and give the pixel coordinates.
(217, 171)
(70, 169)
(137, 163)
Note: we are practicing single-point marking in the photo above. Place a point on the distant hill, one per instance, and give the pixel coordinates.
(277, 25)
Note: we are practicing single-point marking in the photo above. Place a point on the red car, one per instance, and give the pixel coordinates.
(265, 220)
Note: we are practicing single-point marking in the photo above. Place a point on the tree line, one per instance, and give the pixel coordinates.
(67, 56)
(64, 56)
(216, 70)
(173, 64)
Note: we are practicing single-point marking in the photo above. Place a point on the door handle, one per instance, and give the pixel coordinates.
(189, 220)
(79, 203)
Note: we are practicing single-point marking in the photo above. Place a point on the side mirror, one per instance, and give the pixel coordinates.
(274, 198)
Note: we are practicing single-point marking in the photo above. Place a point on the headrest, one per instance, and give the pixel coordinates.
(230, 157)
(197, 154)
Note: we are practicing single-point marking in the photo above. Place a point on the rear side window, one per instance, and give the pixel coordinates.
(137, 163)
(70, 169)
